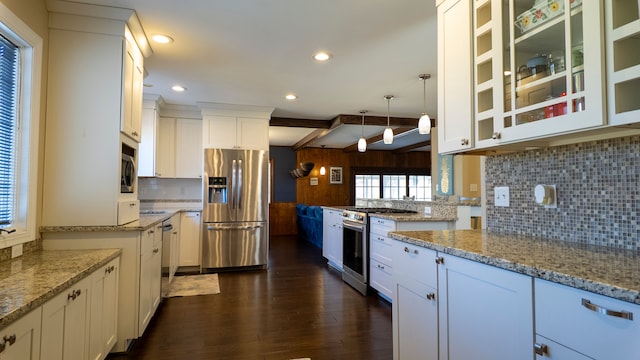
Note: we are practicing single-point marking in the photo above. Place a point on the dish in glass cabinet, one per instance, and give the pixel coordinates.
(541, 12)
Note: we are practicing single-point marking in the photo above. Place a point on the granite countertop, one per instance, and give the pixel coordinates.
(145, 222)
(598, 269)
(408, 217)
(32, 279)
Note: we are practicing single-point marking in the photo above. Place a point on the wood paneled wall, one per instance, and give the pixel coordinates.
(339, 194)
(282, 218)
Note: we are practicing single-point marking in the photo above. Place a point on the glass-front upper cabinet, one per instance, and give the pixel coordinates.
(623, 60)
(546, 68)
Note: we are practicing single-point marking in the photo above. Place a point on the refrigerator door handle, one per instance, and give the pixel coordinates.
(239, 200)
(234, 227)
(233, 183)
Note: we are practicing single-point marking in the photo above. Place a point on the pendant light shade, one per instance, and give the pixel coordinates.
(387, 136)
(323, 170)
(362, 142)
(424, 124)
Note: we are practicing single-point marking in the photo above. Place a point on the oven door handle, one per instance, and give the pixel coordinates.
(352, 226)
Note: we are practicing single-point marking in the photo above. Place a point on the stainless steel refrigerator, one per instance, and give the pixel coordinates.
(236, 213)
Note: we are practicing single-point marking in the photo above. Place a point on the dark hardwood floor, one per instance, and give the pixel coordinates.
(299, 308)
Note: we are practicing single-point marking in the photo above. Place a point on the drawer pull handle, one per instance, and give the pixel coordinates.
(431, 296)
(540, 349)
(406, 249)
(380, 267)
(439, 260)
(604, 311)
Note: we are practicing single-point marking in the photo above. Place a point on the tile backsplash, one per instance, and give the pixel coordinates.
(598, 192)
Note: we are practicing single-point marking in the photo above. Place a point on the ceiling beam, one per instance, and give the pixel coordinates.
(412, 147)
(317, 134)
(378, 120)
(301, 123)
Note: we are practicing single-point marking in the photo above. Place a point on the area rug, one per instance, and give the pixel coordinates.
(190, 285)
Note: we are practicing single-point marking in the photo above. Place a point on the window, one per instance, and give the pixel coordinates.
(367, 186)
(20, 76)
(393, 187)
(8, 125)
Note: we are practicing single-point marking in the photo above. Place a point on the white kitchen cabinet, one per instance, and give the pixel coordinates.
(415, 302)
(166, 148)
(179, 150)
(231, 132)
(622, 20)
(332, 237)
(536, 77)
(380, 256)
(190, 225)
(104, 310)
(134, 275)
(21, 339)
(132, 77)
(65, 323)
(150, 276)
(381, 248)
(84, 113)
(454, 76)
(230, 126)
(591, 325)
(174, 257)
(189, 150)
(148, 139)
(484, 312)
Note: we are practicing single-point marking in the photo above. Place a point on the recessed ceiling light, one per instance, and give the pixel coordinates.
(178, 88)
(162, 39)
(290, 97)
(322, 56)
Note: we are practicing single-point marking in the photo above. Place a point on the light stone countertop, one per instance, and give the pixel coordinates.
(598, 269)
(30, 280)
(400, 217)
(145, 222)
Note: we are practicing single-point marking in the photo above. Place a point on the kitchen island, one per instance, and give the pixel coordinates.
(508, 296)
(602, 270)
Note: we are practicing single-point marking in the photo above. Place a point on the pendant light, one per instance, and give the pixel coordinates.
(424, 124)
(362, 142)
(387, 136)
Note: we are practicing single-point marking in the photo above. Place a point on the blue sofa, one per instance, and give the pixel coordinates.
(309, 222)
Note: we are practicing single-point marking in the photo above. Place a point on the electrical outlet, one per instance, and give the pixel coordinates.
(501, 196)
(473, 187)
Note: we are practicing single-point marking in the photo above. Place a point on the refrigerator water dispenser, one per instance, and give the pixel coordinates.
(217, 190)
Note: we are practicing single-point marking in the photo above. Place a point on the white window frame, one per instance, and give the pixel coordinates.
(28, 115)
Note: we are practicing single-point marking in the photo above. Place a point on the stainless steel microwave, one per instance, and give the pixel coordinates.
(127, 174)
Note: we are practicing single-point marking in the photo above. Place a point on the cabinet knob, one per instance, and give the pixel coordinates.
(439, 260)
(431, 296)
(155, 251)
(380, 267)
(464, 142)
(496, 135)
(406, 249)
(540, 349)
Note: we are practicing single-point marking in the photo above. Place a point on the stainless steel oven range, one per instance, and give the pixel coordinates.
(355, 245)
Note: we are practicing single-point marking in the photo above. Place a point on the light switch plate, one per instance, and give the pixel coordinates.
(501, 196)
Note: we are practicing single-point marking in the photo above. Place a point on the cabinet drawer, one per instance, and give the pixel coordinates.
(381, 248)
(415, 262)
(381, 226)
(563, 315)
(381, 278)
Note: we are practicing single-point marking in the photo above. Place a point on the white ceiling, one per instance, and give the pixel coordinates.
(253, 52)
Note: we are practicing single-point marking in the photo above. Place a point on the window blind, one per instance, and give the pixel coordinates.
(8, 95)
